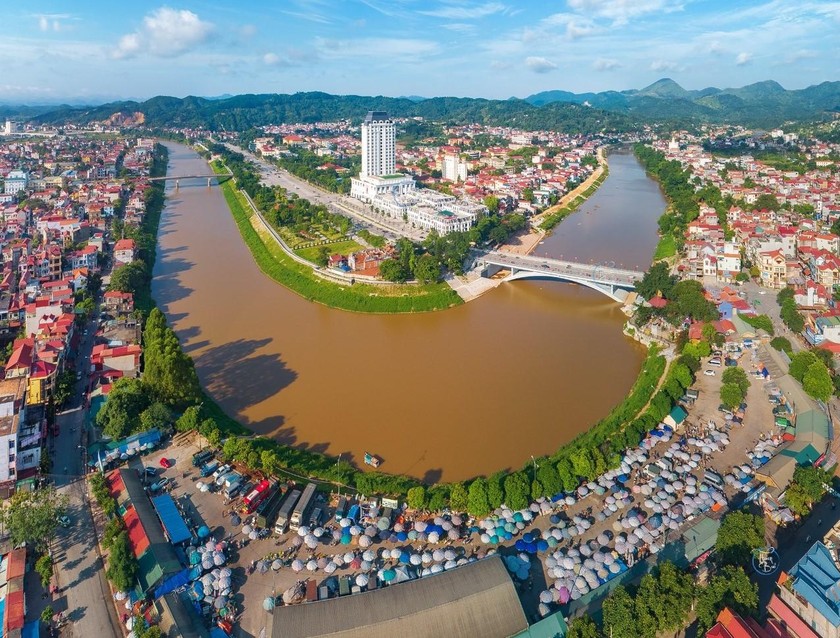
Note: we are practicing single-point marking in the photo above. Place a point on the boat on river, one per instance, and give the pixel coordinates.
(372, 460)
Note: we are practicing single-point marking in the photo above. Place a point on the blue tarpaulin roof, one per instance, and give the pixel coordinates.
(31, 629)
(171, 518)
(173, 582)
(215, 632)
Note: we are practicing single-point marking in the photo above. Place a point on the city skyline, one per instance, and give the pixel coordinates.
(489, 49)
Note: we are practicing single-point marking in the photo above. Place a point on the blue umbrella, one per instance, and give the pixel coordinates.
(203, 531)
(402, 536)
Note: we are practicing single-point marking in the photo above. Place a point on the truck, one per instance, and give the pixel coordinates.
(208, 468)
(257, 495)
(268, 509)
(341, 509)
(281, 526)
(201, 458)
(303, 506)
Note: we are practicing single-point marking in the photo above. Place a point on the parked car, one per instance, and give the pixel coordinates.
(157, 487)
(150, 471)
(220, 471)
(714, 362)
(709, 373)
(165, 463)
(209, 468)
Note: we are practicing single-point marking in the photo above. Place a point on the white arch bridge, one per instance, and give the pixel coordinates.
(605, 278)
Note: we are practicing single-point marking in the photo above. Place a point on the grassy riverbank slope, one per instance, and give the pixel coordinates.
(276, 264)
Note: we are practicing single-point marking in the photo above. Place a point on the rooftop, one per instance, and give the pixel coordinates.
(478, 599)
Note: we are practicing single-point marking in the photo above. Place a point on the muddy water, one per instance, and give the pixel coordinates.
(444, 395)
(617, 224)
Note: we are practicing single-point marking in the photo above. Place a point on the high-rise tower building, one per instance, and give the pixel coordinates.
(378, 150)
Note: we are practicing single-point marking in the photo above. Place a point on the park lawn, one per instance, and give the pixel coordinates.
(667, 247)
(339, 248)
(301, 280)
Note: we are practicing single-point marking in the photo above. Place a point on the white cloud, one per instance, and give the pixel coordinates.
(459, 27)
(53, 21)
(473, 12)
(743, 58)
(621, 11)
(165, 33)
(605, 64)
(380, 48)
(663, 65)
(575, 26)
(271, 59)
(539, 64)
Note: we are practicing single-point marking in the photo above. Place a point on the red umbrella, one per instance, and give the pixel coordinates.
(356, 563)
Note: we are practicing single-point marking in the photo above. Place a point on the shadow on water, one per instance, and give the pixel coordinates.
(238, 378)
(168, 287)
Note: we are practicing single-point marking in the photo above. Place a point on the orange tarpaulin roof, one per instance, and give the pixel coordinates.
(14, 612)
(136, 534)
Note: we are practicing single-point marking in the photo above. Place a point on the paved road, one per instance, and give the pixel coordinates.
(391, 229)
(85, 595)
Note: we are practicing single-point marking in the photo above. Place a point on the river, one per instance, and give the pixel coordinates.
(441, 396)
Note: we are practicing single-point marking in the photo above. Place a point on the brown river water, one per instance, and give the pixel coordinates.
(441, 396)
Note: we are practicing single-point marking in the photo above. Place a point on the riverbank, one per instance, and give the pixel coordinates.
(524, 243)
(273, 261)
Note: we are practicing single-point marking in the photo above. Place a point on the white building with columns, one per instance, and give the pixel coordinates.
(396, 194)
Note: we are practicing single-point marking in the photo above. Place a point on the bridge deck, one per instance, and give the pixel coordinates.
(571, 269)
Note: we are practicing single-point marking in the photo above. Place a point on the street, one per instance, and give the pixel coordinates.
(391, 229)
(84, 594)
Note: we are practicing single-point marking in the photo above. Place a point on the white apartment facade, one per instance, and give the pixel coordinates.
(379, 153)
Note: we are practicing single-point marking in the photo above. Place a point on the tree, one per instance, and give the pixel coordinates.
(682, 374)
(64, 387)
(189, 420)
(583, 627)
(393, 270)
(657, 280)
(737, 376)
(495, 491)
(44, 567)
(548, 478)
(416, 497)
(31, 517)
(782, 344)
(582, 462)
(47, 615)
(113, 528)
(619, 616)
(168, 371)
(129, 277)
(647, 605)
(739, 534)
(322, 258)
(157, 415)
(800, 363)
(729, 588)
(806, 488)
(438, 497)
(477, 503)
(492, 203)
(426, 269)
(122, 565)
(120, 416)
(517, 490)
(458, 497)
(731, 395)
(566, 474)
(817, 382)
(677, 588)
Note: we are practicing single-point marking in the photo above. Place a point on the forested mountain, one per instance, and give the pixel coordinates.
(760, 104)
(245, 111)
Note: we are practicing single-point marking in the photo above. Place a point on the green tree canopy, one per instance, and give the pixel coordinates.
(619, 613)
(478, 505)
(120, 416)
(517, 490)
(416, 497)
(799, 364)
(31, 517)
(458, 497)
(731, 395)
(732, 588)
(817, 382)
(739, 534)
(657, 280)
(122, 565)
(736, 375)
(157, 415)
(583, 627)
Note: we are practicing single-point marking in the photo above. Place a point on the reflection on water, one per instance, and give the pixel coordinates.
(446, 395)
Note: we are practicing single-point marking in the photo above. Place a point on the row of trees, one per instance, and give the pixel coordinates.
(122, 566)
(305, 163)
(811, 369)
(169, 384)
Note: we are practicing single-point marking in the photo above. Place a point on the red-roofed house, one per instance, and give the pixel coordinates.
(124, 251)
(123, 358)
(117, 302)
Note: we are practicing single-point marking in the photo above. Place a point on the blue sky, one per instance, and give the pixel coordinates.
(94, 50)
